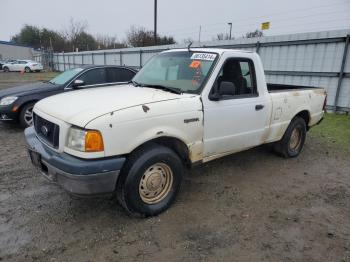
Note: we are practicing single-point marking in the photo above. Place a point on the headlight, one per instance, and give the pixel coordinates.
(85, 140)
(8, 100)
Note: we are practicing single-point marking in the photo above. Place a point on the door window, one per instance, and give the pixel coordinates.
(94, 77)
(115, 75)
(239, 72)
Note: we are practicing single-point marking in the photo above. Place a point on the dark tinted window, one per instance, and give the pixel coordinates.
(94, 77)
(119, 75)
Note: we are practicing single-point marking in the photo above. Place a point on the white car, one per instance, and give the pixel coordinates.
(23, 65)
(184, 107)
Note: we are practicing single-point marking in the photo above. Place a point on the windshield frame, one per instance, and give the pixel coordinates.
(199, 90)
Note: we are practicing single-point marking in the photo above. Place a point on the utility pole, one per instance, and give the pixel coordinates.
(199, 36)
(155, 22)
(230, 24)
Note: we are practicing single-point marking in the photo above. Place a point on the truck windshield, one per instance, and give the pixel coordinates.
(65, 76)
(183, 71)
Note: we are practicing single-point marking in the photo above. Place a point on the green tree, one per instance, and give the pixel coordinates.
(29, 35)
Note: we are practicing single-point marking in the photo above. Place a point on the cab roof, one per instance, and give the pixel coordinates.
(220, 51)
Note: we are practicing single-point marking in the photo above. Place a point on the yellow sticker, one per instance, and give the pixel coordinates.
(265, 26)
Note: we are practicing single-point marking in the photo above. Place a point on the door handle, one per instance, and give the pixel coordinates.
(259, 107)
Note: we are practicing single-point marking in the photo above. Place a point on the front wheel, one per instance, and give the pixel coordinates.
(27, 69)
(150, 180)
(293, 139)
(26, 115)
(6, 69)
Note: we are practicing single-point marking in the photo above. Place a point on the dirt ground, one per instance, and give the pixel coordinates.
(251, 206)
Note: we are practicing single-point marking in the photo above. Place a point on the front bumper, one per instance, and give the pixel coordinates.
(6, 113)
(77, 176)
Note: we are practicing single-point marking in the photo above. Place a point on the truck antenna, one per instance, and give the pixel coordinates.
(189, 46)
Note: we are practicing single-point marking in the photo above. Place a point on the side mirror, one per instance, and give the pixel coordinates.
(78, 83)
(225, 89)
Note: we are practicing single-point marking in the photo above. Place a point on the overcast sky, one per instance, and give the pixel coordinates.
(179, 18)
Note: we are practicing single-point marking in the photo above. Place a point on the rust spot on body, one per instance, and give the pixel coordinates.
(319, 91)
(195, 152)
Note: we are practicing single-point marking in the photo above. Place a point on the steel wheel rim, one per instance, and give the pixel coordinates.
(27, 70)
(156, 183)
(28, 116)
(295, 139)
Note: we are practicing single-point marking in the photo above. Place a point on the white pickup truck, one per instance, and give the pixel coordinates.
(184, 107)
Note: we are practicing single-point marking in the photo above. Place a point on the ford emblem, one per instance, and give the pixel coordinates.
(44, 130)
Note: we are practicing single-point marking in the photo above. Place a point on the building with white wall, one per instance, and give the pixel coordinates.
(11, 50)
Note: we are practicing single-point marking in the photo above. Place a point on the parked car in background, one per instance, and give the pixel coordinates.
(184, 107)
(16, 103)
(23, 65)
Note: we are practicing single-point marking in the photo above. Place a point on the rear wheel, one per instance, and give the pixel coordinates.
(26, 115)
(293, 139)
(27, 69)
(150, 180)
(6, 69)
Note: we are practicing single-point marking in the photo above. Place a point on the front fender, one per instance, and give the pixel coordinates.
(125, 130)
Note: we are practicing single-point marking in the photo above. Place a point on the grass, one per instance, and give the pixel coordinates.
(335, 128)
(26, 77)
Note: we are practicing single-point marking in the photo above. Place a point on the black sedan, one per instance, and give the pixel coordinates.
(16, 103)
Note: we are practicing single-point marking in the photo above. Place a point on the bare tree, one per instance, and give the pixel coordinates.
(74, 30)
(223, 36)
(256, 33)
(188, 40)
(140, 36)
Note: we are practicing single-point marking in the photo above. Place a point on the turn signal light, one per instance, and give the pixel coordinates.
(93, 141)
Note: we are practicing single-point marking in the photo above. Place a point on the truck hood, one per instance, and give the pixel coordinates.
(81, 106)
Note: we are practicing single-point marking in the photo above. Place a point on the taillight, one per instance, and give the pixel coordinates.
(325, 100)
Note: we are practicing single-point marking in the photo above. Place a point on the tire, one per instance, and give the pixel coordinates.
(24, 117)
(6, 69)
(293, 139)
(27, 69)
(150, 166)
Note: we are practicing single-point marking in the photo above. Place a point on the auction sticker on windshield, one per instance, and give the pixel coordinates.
(203, 56)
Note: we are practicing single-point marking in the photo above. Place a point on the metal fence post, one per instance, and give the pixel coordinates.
(92, 58)
(121, 58)
(73, 60)
(341, 73)
(140, 58)
(64, 63)
(82, 59)
(257, 47)
(104, 58)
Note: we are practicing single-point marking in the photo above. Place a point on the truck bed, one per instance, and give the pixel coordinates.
(284, 88)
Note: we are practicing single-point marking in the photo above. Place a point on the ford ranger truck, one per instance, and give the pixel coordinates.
(184, 107)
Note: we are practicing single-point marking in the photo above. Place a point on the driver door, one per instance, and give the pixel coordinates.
(237, 121)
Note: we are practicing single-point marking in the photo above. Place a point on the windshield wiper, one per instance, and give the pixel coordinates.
(134, 83)
(45, 81)
(166, 88)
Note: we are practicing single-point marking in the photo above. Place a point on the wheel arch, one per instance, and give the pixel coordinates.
(304, 114)
(176, 144)
(23, 104)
